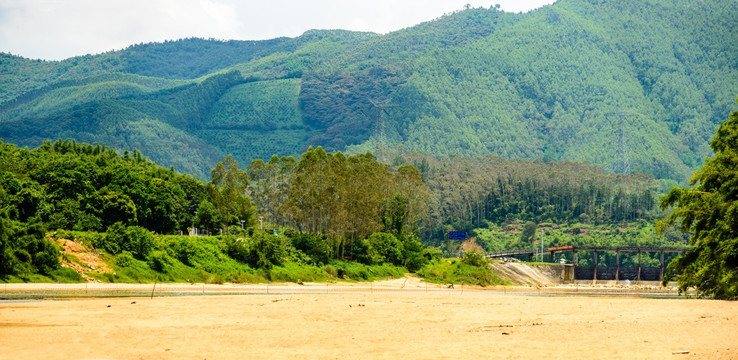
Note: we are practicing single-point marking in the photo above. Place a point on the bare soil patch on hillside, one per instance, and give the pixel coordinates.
(370, 324)
(86, 260)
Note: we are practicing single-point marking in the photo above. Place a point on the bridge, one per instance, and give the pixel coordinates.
(598, 272)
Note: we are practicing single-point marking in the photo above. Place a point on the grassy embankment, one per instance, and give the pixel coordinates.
(204, 259)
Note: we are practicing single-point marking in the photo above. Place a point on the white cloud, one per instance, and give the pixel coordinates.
(58, 29)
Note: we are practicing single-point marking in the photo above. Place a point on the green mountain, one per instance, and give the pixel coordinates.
(559, 83)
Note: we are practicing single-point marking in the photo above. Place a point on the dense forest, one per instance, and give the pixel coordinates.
(119, 201)
(318, 209)
(78, 186)
(445, 193)
(471, 193)
(557, 84)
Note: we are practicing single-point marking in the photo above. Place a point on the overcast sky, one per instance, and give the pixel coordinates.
(59, 29)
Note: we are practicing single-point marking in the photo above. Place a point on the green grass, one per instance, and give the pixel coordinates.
(353, 271)
(61, 275)
(454, 271)
(202, 259)
(296, 273)
(138, 271)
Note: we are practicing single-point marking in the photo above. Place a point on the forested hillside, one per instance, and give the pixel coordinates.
(319, 209)
(115, 201)
(350, 197)
(558, 83)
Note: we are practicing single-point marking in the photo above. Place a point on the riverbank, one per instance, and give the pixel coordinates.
(383, 320)
(408, 284)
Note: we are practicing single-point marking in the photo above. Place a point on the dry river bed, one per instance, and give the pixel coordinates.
(400, 319)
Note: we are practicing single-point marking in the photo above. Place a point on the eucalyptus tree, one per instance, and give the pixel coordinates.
(228, 193)
(269, 184)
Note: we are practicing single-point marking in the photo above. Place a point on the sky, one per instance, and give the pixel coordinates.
(60, 29)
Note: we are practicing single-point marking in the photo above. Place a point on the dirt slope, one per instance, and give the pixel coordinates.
(523, 274)
(81, 259)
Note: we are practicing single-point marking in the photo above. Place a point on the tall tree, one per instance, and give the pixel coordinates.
(269, 184)
(228, 192)
(408, 206)
(709, 210)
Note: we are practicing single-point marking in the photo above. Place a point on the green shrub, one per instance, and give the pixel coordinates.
(139, 241)
(290, 232)
(204, 253)
(267, 251)
(382, 247)
(412, 253)
(124, 259)
(66, 275)
(24, 249)
(259, 251)
(457, 272)
(474, 258)
(193, 251)
(215, 279)
(159, 261)
(134, 239)
(240, 276)
(330, 270)
(432, 254)
(113, 239)
(312, 245)
(239, 248)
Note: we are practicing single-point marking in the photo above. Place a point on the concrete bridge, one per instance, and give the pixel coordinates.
(599, 272)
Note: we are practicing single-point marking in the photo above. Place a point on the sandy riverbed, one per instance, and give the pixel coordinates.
(427, 324)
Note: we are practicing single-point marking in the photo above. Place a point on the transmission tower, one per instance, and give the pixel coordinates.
(379, 125)
(621, 161)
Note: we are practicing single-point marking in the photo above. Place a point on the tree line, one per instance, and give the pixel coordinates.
(469, 193)
(342, 207)
(77, 186)
(329, 205)
(83, 187)
(346, 198)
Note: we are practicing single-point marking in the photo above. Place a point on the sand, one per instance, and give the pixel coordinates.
(410, 324)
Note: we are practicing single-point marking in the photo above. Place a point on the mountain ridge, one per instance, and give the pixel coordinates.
(471, 83)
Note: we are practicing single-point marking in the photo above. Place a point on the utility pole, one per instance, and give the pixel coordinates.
(541, 245)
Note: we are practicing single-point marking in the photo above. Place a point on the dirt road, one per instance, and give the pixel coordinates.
(366, 325)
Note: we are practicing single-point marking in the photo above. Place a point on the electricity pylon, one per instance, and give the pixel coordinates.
(621, 161)
(380, 131)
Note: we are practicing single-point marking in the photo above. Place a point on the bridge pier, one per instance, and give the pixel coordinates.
(595, 267)
(661, 273)
(639, 265)
(617, 264)
(575, 258)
